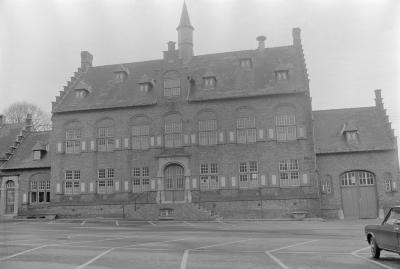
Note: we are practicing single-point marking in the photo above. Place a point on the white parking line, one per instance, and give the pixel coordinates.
(355, 254)
(23, 252)
(184, 259)
(152, 223)
(83, 222)
(116, 223)
(95, 258)
(279, 262)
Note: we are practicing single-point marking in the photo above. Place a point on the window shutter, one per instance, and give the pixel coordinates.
(58, 188)
(194, 183)
(261, 136)
(117, 143)
(301, 131)
(83, 146)
(231, 137)
(263, 180)
(394, 185)
(152, 141)
(83, 187)
(91, 187)
(271, 133)
(305, 179)
(126, 185)
(193, 138)
(223, 184)
(185, 139)
(126, 142)
(273, 180)
(92, 145)
(60, 147)
(116, 185)
(159, 141)
(221, 137)
(24, 198)
(233, 179)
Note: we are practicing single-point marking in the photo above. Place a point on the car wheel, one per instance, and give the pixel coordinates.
(375, 250)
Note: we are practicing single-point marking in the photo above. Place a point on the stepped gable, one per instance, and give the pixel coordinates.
(9, 134)
(23, 156)
(373, 133)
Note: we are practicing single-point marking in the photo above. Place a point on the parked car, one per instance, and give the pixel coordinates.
(385, 236)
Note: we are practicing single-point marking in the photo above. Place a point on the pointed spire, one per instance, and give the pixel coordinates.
(185, 21)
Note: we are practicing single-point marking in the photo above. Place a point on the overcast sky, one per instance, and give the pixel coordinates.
(351, 47)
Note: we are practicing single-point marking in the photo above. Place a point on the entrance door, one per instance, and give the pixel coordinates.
(174, 183)
(359, 194)
(10, 197)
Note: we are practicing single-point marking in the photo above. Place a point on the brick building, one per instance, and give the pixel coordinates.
(191, 136)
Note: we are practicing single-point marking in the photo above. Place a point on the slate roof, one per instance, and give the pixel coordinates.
(232, 80)
(8, 134)
(372, 130)
(23, 157)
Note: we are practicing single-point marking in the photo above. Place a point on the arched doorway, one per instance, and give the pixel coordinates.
(174, 183)
(10, 197)
(358, 189)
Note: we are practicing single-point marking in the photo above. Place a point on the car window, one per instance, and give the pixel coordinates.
(394, 216)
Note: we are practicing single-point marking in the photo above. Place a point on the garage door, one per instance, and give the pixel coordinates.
(359, 194)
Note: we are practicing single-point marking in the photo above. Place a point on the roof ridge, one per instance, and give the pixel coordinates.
(348, 108)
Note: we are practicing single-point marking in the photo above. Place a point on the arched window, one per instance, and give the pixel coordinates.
(140, 133)
(105, 135)
(357, 177)
(173, 131)
(326, 184)
(73, 136)
(207, 128)
(172, 84)
(246, 126)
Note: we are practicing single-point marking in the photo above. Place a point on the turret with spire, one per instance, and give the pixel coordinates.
(185, 36)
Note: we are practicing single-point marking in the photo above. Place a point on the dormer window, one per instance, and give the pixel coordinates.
(145, 84)
(282, 75)
(210, 82)
(121, 74)
(38, 150)
(37, 155)
(81, 90)
(81, 93)
(352, 137)
(350, 132)
(246, 63)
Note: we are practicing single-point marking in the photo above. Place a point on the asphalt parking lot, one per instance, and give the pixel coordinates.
(112, 243)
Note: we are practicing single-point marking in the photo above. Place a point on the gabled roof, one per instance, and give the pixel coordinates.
(233, 81)
(23, 157)
(373, 133)
(8, 134)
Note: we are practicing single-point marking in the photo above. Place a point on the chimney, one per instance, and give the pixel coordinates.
(171, 45)
(261, 42)
(296, 33)
(86, 60)
(378, 99)
(28, 122)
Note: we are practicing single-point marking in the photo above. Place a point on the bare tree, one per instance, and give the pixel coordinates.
(17, 112)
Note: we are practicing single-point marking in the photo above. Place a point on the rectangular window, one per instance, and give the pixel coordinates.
(140, 137)
(105, 139)
(71, 184)
(208, 132)
(172, 87)
(245, 63)
(40, 191)
(285, 127)
(289, 174)
(209, 176)
(73, 141)
(105, 184)
(173, 134)
(282, 75)
(246, 130)
(140, 179)
(248, 174)
(36, 155)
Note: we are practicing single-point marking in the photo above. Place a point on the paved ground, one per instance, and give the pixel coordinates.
(103, 243)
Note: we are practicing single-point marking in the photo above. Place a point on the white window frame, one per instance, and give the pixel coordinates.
(172, 87)
(140, 179)
(72, 141)
(289, 173)
(173, 136)
(72, 182)
(208, 134)
(286, 129)
(105, 139)
(248, 174)
(209, 179)
(38, 188)
(246, 131)
(140, 137)
(105, 183)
